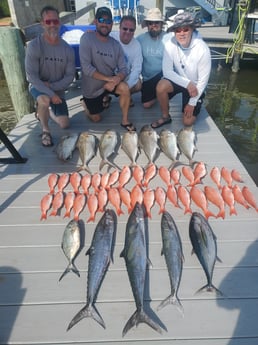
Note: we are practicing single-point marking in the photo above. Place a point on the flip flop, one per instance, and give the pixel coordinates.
(129, 127)
(161, 122)
(46, 139)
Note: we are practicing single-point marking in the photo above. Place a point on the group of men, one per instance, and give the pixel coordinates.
(158, 64)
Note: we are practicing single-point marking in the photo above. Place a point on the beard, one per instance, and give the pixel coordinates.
(103, 33)
(154, 33)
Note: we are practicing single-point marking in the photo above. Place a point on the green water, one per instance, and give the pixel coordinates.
(232, 101)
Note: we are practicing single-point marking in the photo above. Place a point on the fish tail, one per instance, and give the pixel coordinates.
(208, 214)
(43, 216)
(87, 311)
(210, 288)
(139, 316)
(70, 268)
(221, 214)
(91, 218)
(53, 213)
(188, 210)
(67, 214)
(172, 299)
(233, 211)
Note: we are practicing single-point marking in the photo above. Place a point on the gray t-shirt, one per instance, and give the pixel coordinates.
(52, 63)
(105, 57)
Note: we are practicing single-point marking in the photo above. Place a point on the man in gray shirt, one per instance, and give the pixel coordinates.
(50, 68)
(103, 69)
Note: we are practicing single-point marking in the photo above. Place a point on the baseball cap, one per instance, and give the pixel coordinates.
(103, 11)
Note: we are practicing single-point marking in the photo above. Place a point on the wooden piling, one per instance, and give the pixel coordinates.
(12, 55)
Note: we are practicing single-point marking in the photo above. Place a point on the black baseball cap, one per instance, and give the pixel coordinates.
(103, 11)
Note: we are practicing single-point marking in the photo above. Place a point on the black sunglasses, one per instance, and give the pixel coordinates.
(128, 29)
(105, 21)
(153, 22)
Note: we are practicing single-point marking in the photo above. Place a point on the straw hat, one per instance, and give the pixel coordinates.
(182, 19)
(153, 15)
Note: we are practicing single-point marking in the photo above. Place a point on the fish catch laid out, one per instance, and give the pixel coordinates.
(148, 142)
(183, 187)
(204, 244)
(100, 255)
(107, 146)
(136, 260)
(173, 254)
(70, 245)
(129, 144)
(186, 141)
(168, 145)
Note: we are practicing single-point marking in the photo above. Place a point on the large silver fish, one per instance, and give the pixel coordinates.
(129, 144)
(107, 146)
(71, 245)
(100, 254)
(204, 246)
(148, 141)
(66, 146)
(135, 255)
(87, 146)
(186, 141)
(168, 145)
(173, 253)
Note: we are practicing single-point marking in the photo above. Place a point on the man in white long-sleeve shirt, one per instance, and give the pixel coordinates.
(186, 69)
(132, 50)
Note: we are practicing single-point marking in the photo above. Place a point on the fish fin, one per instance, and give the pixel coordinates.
(149, 263)
(221, 214)
(43, 216)
(139, 316)
(87, 311)
(210, 288)
(172, 299)
(122, 254)
(232, 211)
(162, 252)
(218, 259)
(208, 214)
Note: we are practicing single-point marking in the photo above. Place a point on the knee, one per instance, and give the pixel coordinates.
(64, 123)
(123, 89)
(163, 86)
(43, 101)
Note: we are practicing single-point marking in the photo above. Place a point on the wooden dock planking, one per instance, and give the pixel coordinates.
(36, 308)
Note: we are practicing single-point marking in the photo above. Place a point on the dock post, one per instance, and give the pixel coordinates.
(12, 55)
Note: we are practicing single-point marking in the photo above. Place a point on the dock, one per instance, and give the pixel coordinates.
(35, 308)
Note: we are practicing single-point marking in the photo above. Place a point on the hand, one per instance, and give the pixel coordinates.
(192, 89)
(56, 99)
(188, 110)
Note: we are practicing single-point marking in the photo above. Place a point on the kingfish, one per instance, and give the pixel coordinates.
(168, 145)
(70, 246)
(204, 246)
(148, 141)
(100, 254)
(129, 144)
(173, 253)
(107, 147)
(135, 255)
(186, 141)
(66, 146)
(87, 146)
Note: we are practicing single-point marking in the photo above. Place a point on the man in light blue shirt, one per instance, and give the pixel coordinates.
(152, 51)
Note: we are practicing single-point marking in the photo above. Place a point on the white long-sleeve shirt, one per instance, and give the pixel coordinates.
(182, 65)
(133, 56)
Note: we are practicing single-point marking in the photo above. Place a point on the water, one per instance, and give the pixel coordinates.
(232, 101)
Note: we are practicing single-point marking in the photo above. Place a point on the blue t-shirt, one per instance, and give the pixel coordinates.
(152, 51)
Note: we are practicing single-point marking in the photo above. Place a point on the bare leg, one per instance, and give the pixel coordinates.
(124, 100)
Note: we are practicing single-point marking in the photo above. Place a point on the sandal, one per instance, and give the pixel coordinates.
(129, 126)
(106, 101)
(46, 139)
(161, 122)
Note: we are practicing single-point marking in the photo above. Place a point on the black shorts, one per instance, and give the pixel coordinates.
(95, 105)
(185, 97)
(149, 88)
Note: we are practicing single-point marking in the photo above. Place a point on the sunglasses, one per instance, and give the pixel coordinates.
(153, 23)
(105, 21)
(182, 30)
(53, 21)
(127, 29)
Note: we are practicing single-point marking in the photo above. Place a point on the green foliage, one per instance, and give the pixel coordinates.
(4, 9)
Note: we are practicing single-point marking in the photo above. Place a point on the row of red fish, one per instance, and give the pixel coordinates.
(104, 191)
(142, 177)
